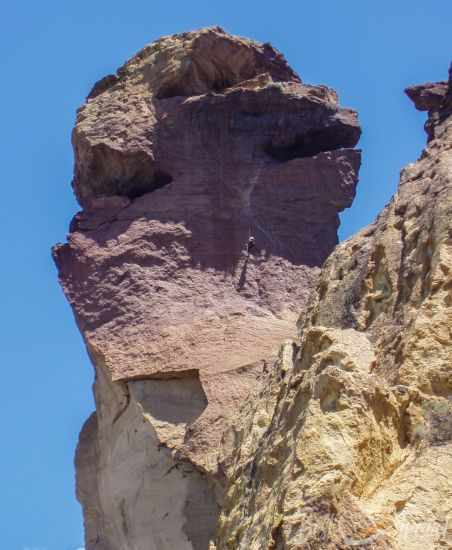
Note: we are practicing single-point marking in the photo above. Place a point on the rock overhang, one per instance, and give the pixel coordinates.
(266, 111)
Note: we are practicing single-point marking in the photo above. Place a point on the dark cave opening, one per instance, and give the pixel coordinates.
(185, 90)
(314, 142)
(138, 185)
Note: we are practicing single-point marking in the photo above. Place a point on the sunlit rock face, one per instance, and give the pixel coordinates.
(210, 179)
(350, 442)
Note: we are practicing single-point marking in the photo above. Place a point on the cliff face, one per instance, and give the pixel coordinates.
(350, 443)
(210, 180)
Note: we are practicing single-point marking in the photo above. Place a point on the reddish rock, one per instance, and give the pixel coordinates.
(199, 142)
(429, 96)
(436, 98)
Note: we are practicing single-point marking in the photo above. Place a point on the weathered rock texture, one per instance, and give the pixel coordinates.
(197, 143)
(350, 444)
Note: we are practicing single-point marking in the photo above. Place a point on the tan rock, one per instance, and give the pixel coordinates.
(350, 444)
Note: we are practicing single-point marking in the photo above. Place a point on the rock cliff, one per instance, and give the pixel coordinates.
(350, 442)
(210, 180)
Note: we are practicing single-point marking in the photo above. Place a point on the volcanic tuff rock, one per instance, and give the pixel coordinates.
(350, 443)
(199, 142)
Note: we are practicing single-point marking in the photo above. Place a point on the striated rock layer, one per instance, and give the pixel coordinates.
(350, 443)
(199, 142)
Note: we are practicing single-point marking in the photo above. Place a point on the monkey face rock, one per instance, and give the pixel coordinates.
(200, 145)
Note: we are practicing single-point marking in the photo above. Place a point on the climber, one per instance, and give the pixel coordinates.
(251, 243)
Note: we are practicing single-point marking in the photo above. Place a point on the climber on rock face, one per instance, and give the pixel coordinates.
(251, 244)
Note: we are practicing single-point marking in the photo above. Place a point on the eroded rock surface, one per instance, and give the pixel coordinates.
(350, 444)
(199, 142)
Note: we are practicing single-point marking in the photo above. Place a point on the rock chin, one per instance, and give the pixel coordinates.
(199, 142)
(350, 442)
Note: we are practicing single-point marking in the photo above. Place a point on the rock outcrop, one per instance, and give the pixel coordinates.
(210, 179)
(350, 443)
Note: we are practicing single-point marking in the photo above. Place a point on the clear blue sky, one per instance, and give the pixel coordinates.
(51, 53)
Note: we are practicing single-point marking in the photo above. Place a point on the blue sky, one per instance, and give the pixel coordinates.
(51, 53)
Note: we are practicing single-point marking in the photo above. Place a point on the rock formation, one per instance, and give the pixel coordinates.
(350, 443)
(210, 180)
